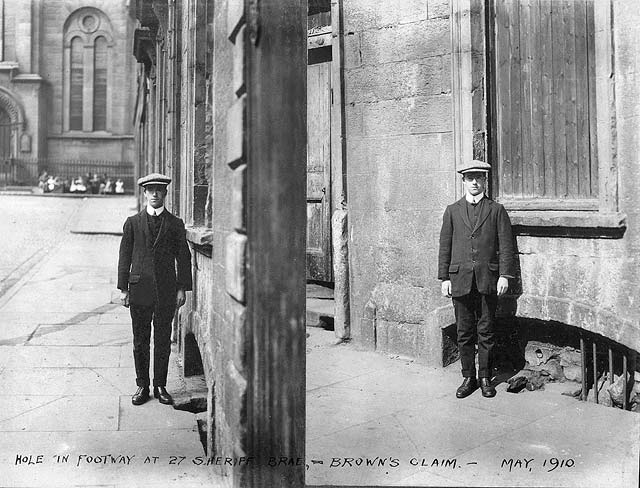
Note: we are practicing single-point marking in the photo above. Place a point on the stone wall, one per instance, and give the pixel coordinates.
(402, 111)
(398, 103)
(593, 282)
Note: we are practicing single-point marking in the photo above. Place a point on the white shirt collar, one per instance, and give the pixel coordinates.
(474, 199)
(154, 211)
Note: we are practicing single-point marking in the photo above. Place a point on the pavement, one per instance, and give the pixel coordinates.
(377, 419)
(67, 373)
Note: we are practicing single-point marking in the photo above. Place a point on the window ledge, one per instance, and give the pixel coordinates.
(201, 238)
(560, 223)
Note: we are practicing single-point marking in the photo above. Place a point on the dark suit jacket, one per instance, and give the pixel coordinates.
(148, 269)
(485, 249)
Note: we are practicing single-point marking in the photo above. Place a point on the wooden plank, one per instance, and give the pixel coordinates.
(527, 36)
(591, 82)
(582, 101)
(318, 171)
(559, 97)
(537, 109)
(568, 19)
(547, 104)
(516, 98)
(503, 91)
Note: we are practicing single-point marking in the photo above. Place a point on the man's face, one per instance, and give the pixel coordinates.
(475, 182)
(155, 195)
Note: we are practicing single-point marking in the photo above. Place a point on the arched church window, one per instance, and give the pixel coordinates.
(88, 42)
(100, 84)
(77, 84)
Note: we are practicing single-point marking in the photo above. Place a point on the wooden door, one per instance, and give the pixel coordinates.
(5, 135)
(6, 169)
(319, 172)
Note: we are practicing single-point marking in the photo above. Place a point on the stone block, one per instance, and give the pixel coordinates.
(239, 198)
(406, 42)
(235, 265)
(340, 240)
(236, 132)
(235, 402)
(439, 9)
(422, 114)
(235, 18)
(399, 303)
(364, 14)
(435, 341)
(396, 80)
(352, 55)
(238, 64)
(367, 330)
(400, 338)
(239, 326)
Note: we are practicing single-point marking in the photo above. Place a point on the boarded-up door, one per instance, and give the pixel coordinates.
(319, 172)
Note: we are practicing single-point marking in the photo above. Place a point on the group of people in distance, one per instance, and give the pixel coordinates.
(103, 185)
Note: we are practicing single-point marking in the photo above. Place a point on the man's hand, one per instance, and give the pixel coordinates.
(180, 298)
(503, 285)
(446, 288)
(124, 298)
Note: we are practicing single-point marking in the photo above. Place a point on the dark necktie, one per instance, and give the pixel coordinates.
(155, 226)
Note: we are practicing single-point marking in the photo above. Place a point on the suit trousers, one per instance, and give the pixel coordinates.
(141, 317)
(475, 318)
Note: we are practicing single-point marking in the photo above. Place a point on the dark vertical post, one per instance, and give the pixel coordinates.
(276, 142)
(595, 374)
(624, 379)
(610, 366)
(583, 369)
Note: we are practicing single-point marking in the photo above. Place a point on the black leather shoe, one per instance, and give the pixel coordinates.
(140, 396)
(468, 386)
(161, 394)
(487, 388)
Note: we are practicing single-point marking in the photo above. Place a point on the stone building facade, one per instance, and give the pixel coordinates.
(392, 97)
(423, 95)
(67, 80)
(209, 76)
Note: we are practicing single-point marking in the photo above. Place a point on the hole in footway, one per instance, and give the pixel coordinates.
(533, 354)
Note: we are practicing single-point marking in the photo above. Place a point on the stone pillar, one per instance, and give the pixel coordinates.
(340, 236)
(23, 35)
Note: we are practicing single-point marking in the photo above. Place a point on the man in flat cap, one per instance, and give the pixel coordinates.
(475, 262)
(154, 271)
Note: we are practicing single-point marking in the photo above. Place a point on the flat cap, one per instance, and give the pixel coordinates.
(474, 165)
(154, 179)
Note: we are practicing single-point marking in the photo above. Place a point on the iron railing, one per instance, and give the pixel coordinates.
(25, 172)
(626, 366)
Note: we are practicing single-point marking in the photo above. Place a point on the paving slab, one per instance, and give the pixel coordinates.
(443, 428)
(177, 460)
(457, 442)
(556, 458)
(31, 356)
(92, 413)
(57, 381)
(16, 333)
(81, 335)
(373, 452)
